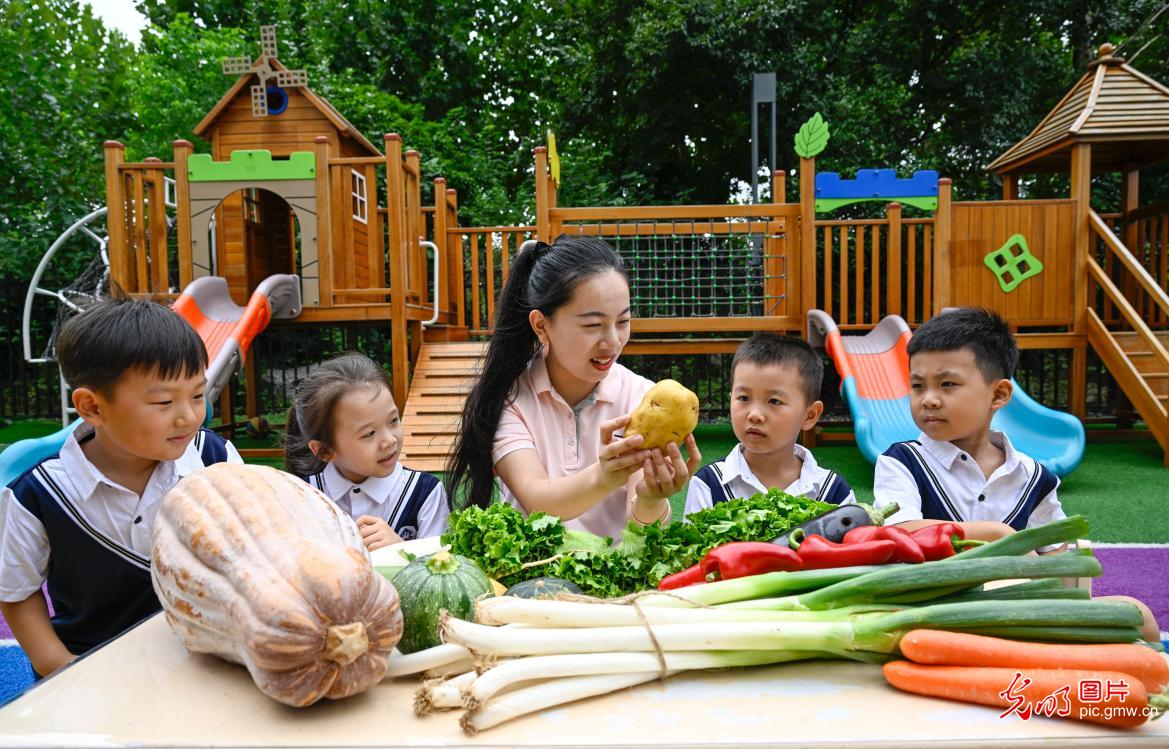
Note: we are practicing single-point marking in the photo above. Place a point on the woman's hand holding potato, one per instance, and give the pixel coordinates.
(665, 475)
(619, 458)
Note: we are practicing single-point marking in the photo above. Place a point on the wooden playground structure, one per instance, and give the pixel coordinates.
(355, 230)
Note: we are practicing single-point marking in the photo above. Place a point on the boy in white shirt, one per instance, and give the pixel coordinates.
(82, 519)
(775, 394)
(959, 469)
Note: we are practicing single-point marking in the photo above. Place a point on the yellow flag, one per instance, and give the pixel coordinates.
(553, 159)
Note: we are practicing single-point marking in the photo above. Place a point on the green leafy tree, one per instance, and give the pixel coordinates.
(66, 81)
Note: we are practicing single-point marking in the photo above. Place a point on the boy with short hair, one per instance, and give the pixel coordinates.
(82, 520)
(775, 395)
(959, 469)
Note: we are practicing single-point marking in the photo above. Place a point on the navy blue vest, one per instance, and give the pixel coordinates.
(834, 490)
(403, 517)
(937, 505)
(98, 587)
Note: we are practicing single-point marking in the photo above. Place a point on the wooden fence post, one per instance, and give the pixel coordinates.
(1010, 187)
(447, 264)
(941, 269)
(115, 154)
(324, 220)
(807, 259)
(893, 302)
(779, 186)
(183, 150)
(396, 215)
(543, 222)
(1081, 193)
(1081, 189)
(158, 261)
(458, 267)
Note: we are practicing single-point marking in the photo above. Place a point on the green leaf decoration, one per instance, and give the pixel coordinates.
(812, 137)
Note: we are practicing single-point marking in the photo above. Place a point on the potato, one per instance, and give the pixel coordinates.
(668, 413)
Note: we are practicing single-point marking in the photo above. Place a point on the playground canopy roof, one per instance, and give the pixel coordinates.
(1123, 113)
(336, 118)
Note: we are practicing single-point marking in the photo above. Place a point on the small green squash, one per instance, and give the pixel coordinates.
(542, 587)
(433, 584)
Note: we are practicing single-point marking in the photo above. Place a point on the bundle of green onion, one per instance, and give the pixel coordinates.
(572, 649)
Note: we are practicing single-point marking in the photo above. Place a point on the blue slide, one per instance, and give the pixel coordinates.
(23, 455)
(874, 379)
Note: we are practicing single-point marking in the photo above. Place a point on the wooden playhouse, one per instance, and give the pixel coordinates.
(324, 203)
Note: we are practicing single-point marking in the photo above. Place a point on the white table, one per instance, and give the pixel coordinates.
(145, 689)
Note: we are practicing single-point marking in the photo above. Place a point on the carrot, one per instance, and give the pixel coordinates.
(1050, 692)
(935, 647)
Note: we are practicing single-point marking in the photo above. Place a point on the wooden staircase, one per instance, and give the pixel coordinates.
(1139, 370)
(1145, 362)
(1136, 355)
(443, 375)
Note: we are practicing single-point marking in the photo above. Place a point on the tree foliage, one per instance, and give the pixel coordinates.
(649, 99)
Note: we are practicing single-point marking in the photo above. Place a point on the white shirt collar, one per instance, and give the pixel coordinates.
(736, 467)
(376, 488)
(946, 452)
(86, 475)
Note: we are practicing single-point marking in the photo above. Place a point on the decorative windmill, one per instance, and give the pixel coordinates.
(267, 99)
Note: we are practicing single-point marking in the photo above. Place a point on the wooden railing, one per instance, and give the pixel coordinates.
(485, 255)
(1146, 235)
(1106, 297)
(140, 258)
(870, 268)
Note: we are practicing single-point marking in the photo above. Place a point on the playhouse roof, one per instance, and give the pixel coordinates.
(336, 118)
(1123, 113)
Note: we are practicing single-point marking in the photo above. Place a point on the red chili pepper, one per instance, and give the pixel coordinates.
(817, 553)
(689, 576)
(745, 558)
(941, 540)
(908, 549)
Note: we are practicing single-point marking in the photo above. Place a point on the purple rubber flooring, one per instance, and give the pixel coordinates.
(1138, 571)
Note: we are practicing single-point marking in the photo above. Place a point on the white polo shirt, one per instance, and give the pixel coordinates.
(405, 499)
(740, 481)
(105, 507)
(965, 492)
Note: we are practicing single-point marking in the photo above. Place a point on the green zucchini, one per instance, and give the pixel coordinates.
(433, 584)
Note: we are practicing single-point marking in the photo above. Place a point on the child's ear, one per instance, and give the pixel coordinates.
(1001, 394)
(812, 415)
(89, 404)
(320, 451)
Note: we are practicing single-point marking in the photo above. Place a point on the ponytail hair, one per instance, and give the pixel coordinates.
(311, 415)
(541, 278)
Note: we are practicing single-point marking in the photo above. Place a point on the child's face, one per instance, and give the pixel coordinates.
(367, 434)
(949, 396)
(148, 417)
(585, 336)
(769, 408)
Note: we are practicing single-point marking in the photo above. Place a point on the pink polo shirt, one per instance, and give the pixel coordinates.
(539, 419)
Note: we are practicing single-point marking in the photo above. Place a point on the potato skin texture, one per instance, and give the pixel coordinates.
(668, 413)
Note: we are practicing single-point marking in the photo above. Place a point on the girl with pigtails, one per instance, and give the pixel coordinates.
(546, 414)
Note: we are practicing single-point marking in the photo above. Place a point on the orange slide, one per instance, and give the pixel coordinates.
(228, 329)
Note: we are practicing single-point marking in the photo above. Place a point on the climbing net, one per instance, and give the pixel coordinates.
(90, 287)
(698, 268)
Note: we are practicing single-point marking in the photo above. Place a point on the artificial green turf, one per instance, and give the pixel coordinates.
(1120, 486)
(25, 430)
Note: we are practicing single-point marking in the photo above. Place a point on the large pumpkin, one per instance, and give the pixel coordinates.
(257, 567)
